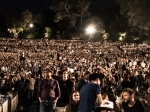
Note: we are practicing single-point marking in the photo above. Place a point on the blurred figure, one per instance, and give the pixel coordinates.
(72, 106)
(147, 88)
(20, 85)
(83, 81)
(66, 86)
(31, 88)
(126, 83)
(3, 84)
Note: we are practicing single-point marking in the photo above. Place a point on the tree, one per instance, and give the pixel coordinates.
(48, 32)
(70, 10)
(137, 12)
(26, 20)
(39, 19)
(19, 22)
(13, 18)
(65, 9)
(83, 6)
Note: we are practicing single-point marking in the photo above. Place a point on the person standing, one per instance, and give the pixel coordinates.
(89, 93)
(31, 88)
(130, 104)
(66, 87)
(83, 81)
(48, 93)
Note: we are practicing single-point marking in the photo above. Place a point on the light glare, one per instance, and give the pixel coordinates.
(31, 25)
(90, 30)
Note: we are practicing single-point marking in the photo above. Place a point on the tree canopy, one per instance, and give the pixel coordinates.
(137, 13)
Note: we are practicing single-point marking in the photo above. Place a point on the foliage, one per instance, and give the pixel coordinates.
(83, 6)
(137, 12)
(70, 10)
(48, 32)
(19, 23)
(27, 19)
(39, 20)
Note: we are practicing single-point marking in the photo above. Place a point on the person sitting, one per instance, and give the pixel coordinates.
(72, 106)
(130, 104)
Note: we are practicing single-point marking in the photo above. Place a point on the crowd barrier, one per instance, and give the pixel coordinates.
(8, 103)
(60, 109)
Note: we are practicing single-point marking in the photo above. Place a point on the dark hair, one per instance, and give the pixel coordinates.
(2, 75)
(49, 71)
(71, 95)
(94, 76)
(129, 90)
(87, 73)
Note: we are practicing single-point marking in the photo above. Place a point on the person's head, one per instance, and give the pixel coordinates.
(74, 97)
(49, 74)
(19, 77)
(128, 95)
(95, 78)
(126, 77)
(98, 70)
(65, 75)
(43, 75)
(105, 96)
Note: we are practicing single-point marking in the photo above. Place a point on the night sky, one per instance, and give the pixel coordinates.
(40, 5)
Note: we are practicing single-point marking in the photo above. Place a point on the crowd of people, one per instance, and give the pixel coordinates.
(78, 75)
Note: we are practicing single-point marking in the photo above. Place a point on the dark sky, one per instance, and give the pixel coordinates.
(25, 4)
(44, 4)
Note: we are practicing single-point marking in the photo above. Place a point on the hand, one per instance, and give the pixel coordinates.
(55, 101)
(40, 100)
(122, 110)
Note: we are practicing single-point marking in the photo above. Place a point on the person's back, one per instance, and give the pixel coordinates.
(88, 97)
(20, 85)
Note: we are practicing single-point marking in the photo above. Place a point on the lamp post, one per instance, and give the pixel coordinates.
(90, 30)
(30, 30)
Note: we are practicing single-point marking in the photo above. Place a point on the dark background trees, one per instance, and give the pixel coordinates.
(67, 19)
(138, 19)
